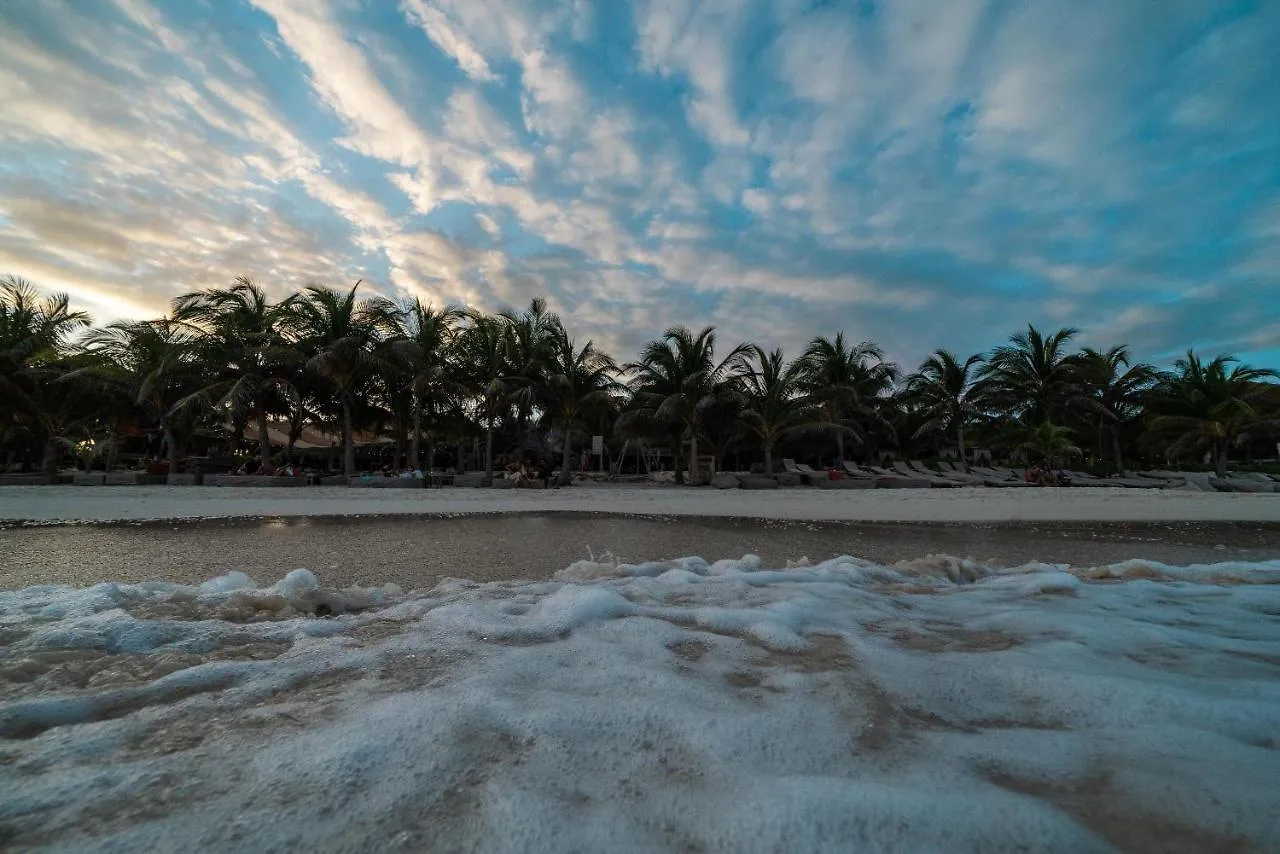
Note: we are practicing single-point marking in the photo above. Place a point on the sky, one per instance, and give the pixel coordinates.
(915, 172)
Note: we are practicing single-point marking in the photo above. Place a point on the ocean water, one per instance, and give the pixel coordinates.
(933, 705)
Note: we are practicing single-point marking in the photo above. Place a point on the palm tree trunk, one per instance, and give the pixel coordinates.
(840, 444)
(49, 460)
(768, 457)
(264, 441)
(348, 441)
(693, 459)
(414, 461)
(964, 462)
(488, 453)
(678, 454)
(431, 456)
(566, 460)
(113, 449)
(171, 441)
(1116, 452)
(1219, 459)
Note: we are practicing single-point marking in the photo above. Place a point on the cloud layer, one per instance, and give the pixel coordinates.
(922, 174)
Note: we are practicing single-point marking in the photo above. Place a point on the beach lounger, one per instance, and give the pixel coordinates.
(897, 480)
(883, 479)
(935, 480)
(1001, 479)
(951, 473)
(807, 475)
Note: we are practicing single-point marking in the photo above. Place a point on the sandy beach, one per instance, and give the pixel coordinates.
(419, 552)
(69, 503)
(637, 669)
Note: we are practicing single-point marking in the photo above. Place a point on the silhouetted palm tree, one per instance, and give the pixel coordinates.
(847, 383)
(1113, 390)
(1032, 377)
(677, 381)
(482, 351)
(531, 336)
(242, 341)
(336, 333)
(1208, 405)
(943, 390)
(579, 381)
(156, 364)
(422, 336)
(34, 332)
(775, 406)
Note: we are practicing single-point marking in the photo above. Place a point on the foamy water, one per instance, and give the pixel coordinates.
(937, 705)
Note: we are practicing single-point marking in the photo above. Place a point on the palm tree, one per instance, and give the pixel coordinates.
(1114, 390)
(531, 336)
(943, 390)
(579, 380)
(1208, 405)
(336, 332)
(1047, 442)
(241, 329)
(847, 381)
(677, 382)
(422, 336)
(1032, 377)
(34, 333)
(482, 351)
(156, 363)
(775, 405)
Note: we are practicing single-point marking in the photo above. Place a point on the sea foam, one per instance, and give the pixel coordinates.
(936, 704)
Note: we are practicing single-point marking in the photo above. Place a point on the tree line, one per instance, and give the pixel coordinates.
(428, 376)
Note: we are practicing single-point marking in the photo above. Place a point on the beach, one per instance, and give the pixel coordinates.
(636, 668)
(982, 505)
(417, 552)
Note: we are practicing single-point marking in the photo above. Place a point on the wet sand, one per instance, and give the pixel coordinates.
(417, 552)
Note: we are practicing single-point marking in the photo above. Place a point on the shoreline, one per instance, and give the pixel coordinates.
(42, 505)
(417, 552)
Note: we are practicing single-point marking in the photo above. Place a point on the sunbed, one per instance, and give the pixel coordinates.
(935, 480)
(886, 479)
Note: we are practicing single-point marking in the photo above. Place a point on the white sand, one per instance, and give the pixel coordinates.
(68, 503)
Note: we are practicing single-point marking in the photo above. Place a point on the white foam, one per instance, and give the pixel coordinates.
(937, 704)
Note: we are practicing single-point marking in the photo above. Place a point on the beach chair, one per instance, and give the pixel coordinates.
(1000, 479)
(897, 480)
(880, 481)
(851, 469)
(805, 473)
(936, 481)
(950, 473)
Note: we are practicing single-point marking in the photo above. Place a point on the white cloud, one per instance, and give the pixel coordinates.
(758, 201)
(447, 37)
(695, 38)
(342, 77)
(554, 102)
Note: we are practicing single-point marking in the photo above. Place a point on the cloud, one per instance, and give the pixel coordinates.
(925, 174)
(446, 36)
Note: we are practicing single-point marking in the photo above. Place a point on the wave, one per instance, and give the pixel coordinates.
(932, 703)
